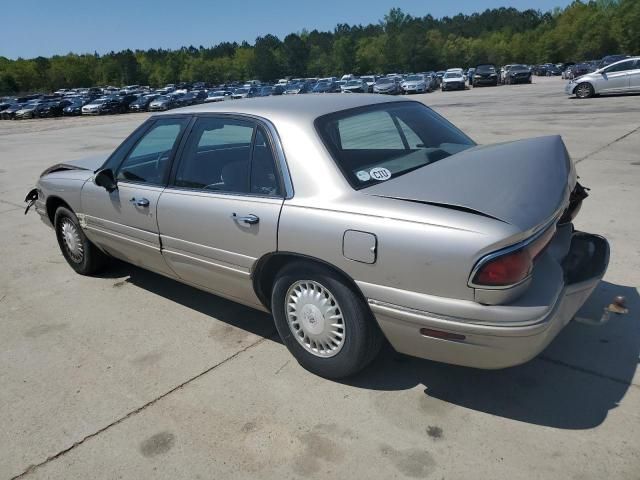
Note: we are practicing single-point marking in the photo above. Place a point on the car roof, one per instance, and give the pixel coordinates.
(303, 107)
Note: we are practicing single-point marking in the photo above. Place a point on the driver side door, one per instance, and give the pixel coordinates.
(123, 222)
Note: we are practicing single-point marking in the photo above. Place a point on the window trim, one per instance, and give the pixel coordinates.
(631, 61)
(282, 171)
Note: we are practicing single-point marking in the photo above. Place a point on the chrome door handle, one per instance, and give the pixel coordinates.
(140, 202)
(250, 219)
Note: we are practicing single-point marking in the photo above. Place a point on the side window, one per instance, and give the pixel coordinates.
(217, 156)
(369, 131)
(621, 67)
(264, 175)
(149, 160)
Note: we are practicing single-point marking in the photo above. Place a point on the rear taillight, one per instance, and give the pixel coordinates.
(514, 265)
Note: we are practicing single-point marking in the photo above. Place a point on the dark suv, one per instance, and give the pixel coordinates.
(485, 74)
(517, 74)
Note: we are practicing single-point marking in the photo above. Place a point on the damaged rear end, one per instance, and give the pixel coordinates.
(529, 283)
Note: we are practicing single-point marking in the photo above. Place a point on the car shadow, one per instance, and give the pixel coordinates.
(573, 384)
(249, 319)
(584, 373)
(607, 95)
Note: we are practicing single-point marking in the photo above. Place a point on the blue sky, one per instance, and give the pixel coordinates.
(45, 27)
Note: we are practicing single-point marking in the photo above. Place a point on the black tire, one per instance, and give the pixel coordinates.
(91, 260)
(584, 90)
(362, 336)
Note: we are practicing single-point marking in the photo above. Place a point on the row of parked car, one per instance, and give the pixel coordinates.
(136, 98)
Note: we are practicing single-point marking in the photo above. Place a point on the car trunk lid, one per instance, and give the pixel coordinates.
(523, 183)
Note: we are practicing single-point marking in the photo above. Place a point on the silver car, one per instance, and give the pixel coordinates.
(414, 84)
(619, 77)
(351, 218)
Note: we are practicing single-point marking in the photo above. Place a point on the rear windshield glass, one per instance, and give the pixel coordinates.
(380, 142)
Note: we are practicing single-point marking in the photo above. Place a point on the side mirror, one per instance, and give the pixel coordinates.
(105, 179)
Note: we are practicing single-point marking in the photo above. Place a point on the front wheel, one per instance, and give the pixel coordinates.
(324, 323)
(81, 255)
(584, 90)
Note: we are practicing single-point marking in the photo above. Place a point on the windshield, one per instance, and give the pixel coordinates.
(485, 68)
(162, 98)
(518, 67)
(354, 82)
(414, 78)
(380, 142)
(452, 75)
(383, 81)
(241, 91)
(218, 93)
(368, 79)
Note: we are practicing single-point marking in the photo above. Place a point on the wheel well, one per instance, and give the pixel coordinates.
(267, 268)
(52, 205)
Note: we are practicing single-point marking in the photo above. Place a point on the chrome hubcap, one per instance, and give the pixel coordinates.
(315, 318)
(72, 241)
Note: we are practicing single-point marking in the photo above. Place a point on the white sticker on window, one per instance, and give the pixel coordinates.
(380, 174)
(363, 176)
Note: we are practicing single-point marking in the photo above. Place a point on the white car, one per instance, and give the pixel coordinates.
(458, 70)
(370, 80)
(619, 77)
(453, 80)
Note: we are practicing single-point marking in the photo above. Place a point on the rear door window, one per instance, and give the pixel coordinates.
(228, 155)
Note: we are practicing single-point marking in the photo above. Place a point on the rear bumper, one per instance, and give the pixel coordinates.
(489, 345)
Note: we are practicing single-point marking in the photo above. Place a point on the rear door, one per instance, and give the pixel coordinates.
(123, 222)
(220, 211)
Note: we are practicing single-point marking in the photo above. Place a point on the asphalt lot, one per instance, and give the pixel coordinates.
(131, 375)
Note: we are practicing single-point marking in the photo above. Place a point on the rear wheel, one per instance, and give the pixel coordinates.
(323, 322)
(584, 90)
(81, 255)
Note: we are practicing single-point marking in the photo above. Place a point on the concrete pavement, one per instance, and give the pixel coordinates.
(132, 375)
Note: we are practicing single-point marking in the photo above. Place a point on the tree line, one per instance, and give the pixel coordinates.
(398, 43)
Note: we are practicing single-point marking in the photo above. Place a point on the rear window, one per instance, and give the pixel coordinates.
(380, 142)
